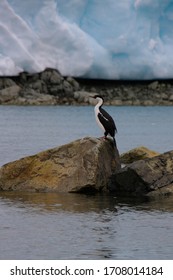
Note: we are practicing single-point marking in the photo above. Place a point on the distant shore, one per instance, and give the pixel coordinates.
(51, 88)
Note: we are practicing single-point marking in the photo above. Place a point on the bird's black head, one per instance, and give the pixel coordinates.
(97, 96)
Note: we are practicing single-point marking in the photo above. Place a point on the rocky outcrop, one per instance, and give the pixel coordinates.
(90, 165)
(45, 88)
(50, 87)
(137, 154)
(84, 165)
(148, 177)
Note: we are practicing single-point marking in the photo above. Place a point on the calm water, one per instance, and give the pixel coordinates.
(74, 226)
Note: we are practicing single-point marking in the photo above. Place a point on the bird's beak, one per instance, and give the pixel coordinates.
(91, 96)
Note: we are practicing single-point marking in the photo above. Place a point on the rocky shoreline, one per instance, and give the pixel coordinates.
(51, 88)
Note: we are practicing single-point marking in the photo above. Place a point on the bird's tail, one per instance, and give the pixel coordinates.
(114, 142)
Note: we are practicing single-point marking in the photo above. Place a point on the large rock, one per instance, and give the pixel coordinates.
(83, 165)
(152, 176)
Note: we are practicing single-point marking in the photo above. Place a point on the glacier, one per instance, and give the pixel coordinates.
(100, 39)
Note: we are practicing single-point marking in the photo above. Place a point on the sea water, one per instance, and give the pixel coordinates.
(76, 226)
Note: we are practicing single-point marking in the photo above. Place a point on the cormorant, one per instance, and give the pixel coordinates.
(103, 119)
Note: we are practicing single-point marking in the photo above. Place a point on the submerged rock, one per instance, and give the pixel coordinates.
(80, 166)
(151, 177)
(137, 154)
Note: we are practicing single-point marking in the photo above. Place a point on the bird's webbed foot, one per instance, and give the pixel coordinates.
(103, 138)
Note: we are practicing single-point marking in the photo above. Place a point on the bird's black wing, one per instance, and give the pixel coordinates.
(108, 122)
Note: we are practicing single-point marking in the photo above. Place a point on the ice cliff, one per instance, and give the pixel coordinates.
(127, 39)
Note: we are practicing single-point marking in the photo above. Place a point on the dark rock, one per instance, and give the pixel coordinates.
(75, 85)
(56, 78)
(149, 177)
(67, 88)
(23, 76)
(39, 86)
(9, 95)
(56, 90)
(51, 76)
(6, 82)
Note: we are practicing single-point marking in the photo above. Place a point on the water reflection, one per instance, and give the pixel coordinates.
(84, 203)
(75, 226)
(60, 201)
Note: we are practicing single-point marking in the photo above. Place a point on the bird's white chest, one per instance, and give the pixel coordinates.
(96, 109)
